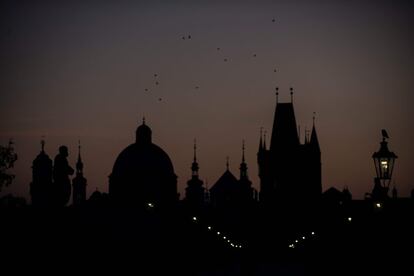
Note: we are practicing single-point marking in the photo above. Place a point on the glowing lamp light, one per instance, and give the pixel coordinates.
(149, 204)
(195, 218)
(349, 219)
(384, 160)
(296, 241)
(218, 233)
(303, 237)
(313, 233)
(209, 228)
(224, 238)
(378, 205)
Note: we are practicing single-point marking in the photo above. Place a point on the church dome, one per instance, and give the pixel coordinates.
(144, 160)
(143, 173)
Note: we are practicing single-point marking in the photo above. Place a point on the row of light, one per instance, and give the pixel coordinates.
(378, 205)
(296, 242)
(218, 233)
(195, 219)
(292, 245)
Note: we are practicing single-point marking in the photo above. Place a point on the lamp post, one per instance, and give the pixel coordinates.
(384, 160)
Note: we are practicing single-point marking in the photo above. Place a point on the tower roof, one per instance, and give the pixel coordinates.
(284, 127)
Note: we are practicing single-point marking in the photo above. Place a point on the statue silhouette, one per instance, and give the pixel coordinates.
(61, 172)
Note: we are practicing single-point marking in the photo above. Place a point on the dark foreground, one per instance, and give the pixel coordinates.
(360, 238)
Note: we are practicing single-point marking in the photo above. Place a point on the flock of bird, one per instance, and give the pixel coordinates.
(189, 37)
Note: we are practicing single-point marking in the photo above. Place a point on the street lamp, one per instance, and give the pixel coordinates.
(384, 160)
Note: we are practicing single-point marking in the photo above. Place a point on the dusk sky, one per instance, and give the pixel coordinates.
(74, 70)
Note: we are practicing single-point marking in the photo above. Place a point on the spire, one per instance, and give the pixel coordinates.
(243, 165)
(261, 140)
(313, 119)
(264, 144)
(143, 120)
(291, 95)
(227, 163)
(306, 136)
(314, 137)
(243, 151)
(42, 143)
(194, 166)
(79, 163)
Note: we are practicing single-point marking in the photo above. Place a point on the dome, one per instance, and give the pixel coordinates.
(143, 173)
(144, 160)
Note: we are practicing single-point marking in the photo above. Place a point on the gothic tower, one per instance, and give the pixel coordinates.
(290, 172)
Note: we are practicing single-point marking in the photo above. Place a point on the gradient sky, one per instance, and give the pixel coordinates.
(78, 70)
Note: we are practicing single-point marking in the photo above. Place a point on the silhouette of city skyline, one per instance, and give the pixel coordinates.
(230, 223)
(163, 150)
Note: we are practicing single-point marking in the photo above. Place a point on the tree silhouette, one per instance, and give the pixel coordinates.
(7, 159)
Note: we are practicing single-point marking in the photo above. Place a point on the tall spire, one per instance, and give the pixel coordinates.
(243, 151)
(314, 137)
(264, 144)
(143, 120)
(291, 94)
(243, 165)
(261, 140)
(313, 119)
(227, 162)
(79, 163)
(194, 166)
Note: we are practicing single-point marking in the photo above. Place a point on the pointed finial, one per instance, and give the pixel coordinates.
(143, 120)
(261, 140)
(291, 94)
(277, 94)
(79, 149)
(264, 144)
(227, 163)
(306, 136)
(195, 149)
(243, 151)
(42, 143)
(313, 118)
(299, 132)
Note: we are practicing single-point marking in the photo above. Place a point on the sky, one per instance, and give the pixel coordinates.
(73, 70)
